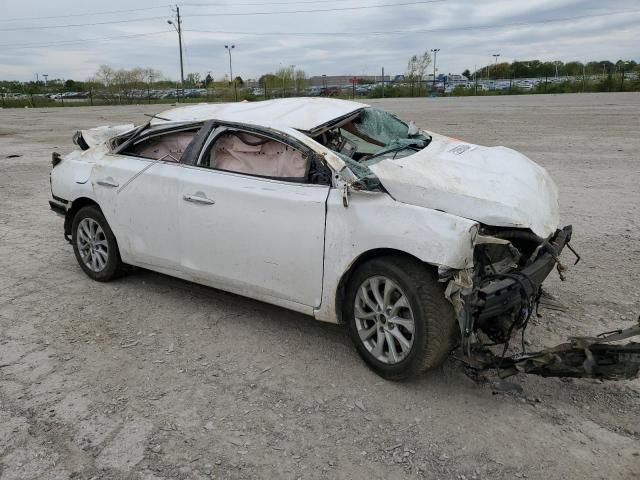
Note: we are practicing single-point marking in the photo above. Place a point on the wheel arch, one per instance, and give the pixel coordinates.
(76, 205)
(360, 260)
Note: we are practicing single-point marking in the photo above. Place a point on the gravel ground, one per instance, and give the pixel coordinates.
(151, 377)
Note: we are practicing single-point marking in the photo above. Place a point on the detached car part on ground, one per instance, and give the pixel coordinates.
(419, 243)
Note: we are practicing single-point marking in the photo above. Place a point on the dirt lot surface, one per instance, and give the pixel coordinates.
(151, 377)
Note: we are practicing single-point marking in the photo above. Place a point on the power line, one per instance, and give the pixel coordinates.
(129, 10)
(260, 4)
(42, 27)
(337, 9)
(85, 40)
(389, 32)
(109, 12)
(409, 32)
(15, 19)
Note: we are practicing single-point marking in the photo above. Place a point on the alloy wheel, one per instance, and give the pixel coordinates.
(92, 244)
(384, 319)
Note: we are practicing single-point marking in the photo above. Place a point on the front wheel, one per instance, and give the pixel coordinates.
(95, 245)
(398, 317)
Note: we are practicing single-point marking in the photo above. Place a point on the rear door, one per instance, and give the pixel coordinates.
(137, 190)
(250, 220)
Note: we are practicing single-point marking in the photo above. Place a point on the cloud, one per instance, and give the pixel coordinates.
(467, 33)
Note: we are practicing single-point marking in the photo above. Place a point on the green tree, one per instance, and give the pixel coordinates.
(192, 80)
(416, 70)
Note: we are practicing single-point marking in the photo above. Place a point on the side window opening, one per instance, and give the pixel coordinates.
(252, 154)
(168, 146)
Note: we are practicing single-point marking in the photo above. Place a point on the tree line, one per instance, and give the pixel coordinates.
(539, 69)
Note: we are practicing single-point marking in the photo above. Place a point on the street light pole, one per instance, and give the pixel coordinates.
(435, 57)
(178, 28)
(235, 89)
(295, 81)
(495, 70)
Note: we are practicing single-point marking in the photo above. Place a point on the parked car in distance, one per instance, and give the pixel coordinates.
(416, 242)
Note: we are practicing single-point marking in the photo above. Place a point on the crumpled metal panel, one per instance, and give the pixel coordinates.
(580, 357)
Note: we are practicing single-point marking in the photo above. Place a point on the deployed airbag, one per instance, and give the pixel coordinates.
(244, 153)
(167, 147)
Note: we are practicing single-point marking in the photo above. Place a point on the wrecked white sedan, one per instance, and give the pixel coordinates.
(419, 243)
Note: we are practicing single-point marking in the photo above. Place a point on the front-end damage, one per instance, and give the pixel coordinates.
(495, 300)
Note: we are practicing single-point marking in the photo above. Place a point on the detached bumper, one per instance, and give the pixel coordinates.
(580, 357)
(506, 294)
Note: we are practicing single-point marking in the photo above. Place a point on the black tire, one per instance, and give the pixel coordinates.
(435, 327)
(113, 266)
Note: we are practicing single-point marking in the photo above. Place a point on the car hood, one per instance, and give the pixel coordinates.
(495, 186)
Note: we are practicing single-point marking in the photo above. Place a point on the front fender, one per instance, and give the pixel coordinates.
(376, 221)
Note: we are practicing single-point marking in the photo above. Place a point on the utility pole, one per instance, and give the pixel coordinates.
(435, 57)
(235, 89)
(283, 87)
(149, 88)
(495, 72)
(382, 82)
(295, 80)
(178, 27)
(475, 78)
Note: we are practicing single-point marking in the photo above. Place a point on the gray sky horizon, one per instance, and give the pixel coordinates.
(58, 39)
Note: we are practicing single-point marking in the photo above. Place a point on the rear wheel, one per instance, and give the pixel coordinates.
(398, 317)
(95, 245)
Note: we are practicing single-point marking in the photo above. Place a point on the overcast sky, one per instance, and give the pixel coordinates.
(467, 32)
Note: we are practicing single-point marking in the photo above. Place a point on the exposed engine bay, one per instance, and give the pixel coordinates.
(495, 300)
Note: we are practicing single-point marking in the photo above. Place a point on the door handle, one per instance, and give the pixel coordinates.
(107, 182)
(198, 198)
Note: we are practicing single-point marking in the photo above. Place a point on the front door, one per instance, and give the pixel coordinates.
(249, 221)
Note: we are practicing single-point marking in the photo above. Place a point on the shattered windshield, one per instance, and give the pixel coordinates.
(374, 135)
